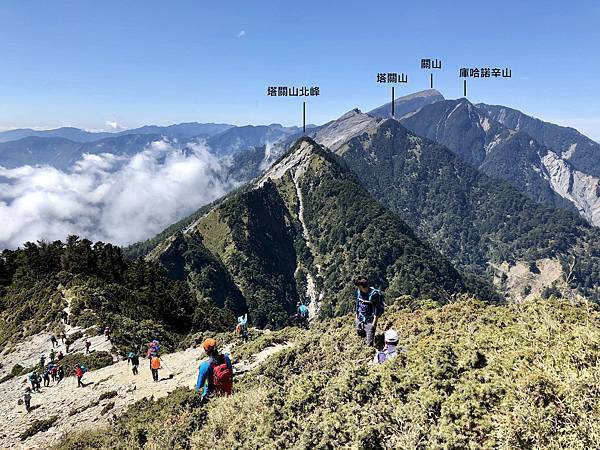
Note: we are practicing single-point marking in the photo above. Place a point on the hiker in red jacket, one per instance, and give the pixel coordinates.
(79, 371)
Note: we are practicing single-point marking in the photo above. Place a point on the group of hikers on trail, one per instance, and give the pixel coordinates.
(215, 375)
(153, 355)
(54, 372)
(52, 369)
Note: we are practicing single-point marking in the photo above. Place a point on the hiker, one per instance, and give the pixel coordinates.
(79, 371)
(60, 373)
(52, 354)
(134, 359)
(88, 344)
(60, 355)
(27, 399)
(54, 371)
(215, 376)
(154, 367)
(302, 315)
(34, 379)
(63, 336)
(53, 340)
(107, 333)
(42, 361)
(390, 349)
(46, 377)
(67, 344)
(153, 350)
(369, 307)
(241, 328)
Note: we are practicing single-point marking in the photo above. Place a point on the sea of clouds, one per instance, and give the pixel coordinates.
(117, 199)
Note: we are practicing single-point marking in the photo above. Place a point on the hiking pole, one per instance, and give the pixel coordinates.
(171, 375)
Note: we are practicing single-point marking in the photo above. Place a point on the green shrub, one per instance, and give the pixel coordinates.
(38, 426)
(107, 408)
(17, 370)
(107, 395)
(93, 361)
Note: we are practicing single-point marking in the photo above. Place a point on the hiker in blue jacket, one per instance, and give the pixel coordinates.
(369, 307)
(302, 315)
(215, 376)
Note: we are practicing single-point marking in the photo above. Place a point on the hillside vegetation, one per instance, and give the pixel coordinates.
(135, 298)
(302, 233)
(474, 376)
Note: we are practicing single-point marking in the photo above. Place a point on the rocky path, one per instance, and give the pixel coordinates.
(81, 408)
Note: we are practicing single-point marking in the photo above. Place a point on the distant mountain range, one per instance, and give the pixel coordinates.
(54, 149)
(178, 131)
(443, 198)
(550, 164)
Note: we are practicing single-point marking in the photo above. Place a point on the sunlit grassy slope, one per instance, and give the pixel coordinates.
(474, 376)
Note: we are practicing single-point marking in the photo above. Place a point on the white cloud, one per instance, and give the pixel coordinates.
(242, 33)
(106, 197)
(114, 125)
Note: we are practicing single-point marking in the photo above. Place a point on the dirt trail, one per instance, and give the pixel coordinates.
(66, 398)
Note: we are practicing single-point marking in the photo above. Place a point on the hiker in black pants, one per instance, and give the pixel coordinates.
(134, 359)
(60, 373)
(27, 399)
(155, 367)
(369, 307)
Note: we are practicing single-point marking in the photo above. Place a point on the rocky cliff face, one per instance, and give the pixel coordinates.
(498, 142)
(582, 152)
(582, 189)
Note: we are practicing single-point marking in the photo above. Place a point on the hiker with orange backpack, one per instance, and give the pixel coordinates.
(155, 367)
(215, 376)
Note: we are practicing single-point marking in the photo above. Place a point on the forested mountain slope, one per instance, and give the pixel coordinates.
(301, 232)
(471, 218)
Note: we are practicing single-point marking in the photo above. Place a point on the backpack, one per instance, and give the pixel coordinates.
(222, 376)
(379, 309)
(303, 311)
(155, 363)
(384, 355)
(83, 368)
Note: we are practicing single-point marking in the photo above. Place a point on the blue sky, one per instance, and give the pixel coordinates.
(84, 63)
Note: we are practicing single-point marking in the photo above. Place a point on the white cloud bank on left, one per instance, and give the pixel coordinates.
(105, 197)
